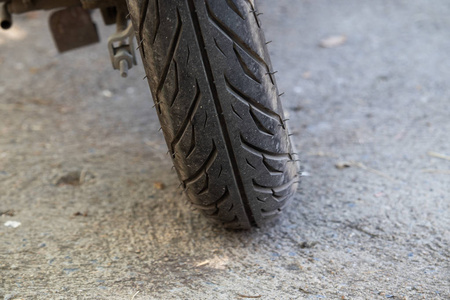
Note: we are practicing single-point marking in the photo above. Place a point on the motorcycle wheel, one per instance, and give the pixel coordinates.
(214, 90)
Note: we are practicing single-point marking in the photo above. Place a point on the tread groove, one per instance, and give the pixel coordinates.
(202, 170)
(142, 18)
(235, 112)
(248, 163)
(158, 21)
(206, 120)
(206, 187)
(232, 223)
(189, 116)
(250, 101)
(234, 37)
(244, 66)
(271, 169)
(273, 190)
(216, 203)
(259, 124)
(188, 55)
(174, 43)
(177, 84)
(233, 6)
(260, 200)
(192, 147)
(218, 48)
(271, 213)
(218, 107)
(264, 153)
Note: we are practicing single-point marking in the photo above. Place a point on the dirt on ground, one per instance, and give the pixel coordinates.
(91, 209)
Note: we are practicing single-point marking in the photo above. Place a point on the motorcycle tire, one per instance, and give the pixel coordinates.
(214, 90)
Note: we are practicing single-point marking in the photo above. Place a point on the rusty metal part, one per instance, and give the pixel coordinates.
(19, 6)
(73, 28)
(5, 17)
(91, 4)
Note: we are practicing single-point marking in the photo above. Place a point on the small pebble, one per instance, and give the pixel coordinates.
(107, 93)
(12, 224)
(159, 185)
(333, 41)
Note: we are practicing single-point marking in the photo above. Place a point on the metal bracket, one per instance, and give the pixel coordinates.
(121, 50)
(72, 27)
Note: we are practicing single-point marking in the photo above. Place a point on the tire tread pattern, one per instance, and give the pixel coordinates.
(215, 92)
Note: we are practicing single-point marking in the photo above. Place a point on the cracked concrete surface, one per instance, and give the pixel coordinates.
(371, 220)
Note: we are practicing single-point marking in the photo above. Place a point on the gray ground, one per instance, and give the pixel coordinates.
(377, 229)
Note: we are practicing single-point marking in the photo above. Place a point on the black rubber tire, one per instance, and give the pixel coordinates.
(214, 89)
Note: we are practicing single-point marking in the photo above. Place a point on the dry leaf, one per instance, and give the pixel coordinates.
(342, 165)
(159, 185)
